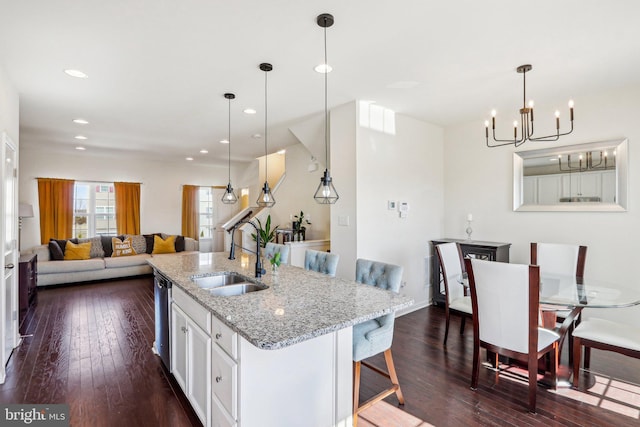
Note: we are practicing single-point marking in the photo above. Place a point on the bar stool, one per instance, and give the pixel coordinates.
(375, 336)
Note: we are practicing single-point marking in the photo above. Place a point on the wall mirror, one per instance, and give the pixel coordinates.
(583, 177)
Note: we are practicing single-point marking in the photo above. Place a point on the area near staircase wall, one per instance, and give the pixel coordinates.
(371, 168)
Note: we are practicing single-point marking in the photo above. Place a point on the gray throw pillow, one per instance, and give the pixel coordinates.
(96, 246)
(139, 242)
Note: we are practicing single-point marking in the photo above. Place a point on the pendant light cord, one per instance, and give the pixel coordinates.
(266, 174)
(326, 111)
(229, 139)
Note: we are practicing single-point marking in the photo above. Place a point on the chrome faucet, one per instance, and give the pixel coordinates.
(232, 252)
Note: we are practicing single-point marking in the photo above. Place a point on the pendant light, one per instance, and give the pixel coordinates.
(265, 199)
(326, 193)
(229, 197)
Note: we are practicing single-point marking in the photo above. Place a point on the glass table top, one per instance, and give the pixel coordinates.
(569, 291)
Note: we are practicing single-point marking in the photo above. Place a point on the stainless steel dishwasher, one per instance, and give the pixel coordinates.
(162, 290)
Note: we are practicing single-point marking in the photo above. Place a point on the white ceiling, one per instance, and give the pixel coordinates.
(158, 69)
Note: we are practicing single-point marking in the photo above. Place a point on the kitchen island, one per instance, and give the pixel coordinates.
(279, 356)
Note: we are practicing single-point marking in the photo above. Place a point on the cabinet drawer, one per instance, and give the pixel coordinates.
(219, 416)
(224, 384)
(200, 315)
(225, 337)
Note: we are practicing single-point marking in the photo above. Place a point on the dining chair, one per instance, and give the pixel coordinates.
(272, 248)
(456, 300)
(562, 260)
(322, 262)
(505, 300)
(376, 335)
(618, 336)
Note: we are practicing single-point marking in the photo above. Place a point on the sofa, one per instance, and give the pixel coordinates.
(103, 262)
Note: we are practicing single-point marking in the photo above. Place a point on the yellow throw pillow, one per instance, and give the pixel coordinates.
(122, 247)
(161, 246)
(77, 251)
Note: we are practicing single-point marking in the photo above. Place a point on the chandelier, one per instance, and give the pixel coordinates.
(586, 162)
(526, 120)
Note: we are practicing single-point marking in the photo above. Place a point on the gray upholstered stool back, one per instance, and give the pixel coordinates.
(379, 274)
(375, 336)
(323, 262)
(272, 248)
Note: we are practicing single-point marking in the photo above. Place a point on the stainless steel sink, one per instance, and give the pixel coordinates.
(215, 281)
(236, 289)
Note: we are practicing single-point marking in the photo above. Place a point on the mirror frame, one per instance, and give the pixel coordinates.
(622, 178)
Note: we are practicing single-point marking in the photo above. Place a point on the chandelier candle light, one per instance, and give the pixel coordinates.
(265, 199)
(229, 197)
(326, 193)
(526, 120)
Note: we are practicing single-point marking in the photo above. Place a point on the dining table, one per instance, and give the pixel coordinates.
(558, 292)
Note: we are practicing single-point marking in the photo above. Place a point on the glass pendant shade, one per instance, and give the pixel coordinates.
(266, 199)
(326, 193)
(229, 197)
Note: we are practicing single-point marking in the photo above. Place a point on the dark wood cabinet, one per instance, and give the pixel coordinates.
(28, 281)
(492, 251)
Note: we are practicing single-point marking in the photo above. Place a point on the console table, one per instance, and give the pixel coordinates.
(492, 251)
(27, 288)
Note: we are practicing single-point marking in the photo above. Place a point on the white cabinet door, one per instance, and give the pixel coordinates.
(609, 186)
(199, 370)
(179, 346)
(549, 189)
(530, 190)
(591, 184)
(224, 371)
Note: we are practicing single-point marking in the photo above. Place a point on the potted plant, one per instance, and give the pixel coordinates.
(266, 233)
(275, 262)
(299, 222)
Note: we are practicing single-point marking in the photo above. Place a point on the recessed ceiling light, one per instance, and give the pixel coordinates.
(256, 136)
(249, 111)
(82, 137)
(189, 158)
(323, 68)
(224, 141)
(204, 151)
(79, 148)
(76, 73)
(282, 151)
(80, 121)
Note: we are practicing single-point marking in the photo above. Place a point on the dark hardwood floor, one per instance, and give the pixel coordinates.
(436, 383)
(91, 349)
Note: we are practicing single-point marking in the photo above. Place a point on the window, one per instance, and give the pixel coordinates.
(377, 118)
(94, 209)
(206, 212)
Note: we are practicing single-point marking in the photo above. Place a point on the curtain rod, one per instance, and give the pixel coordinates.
(92, 181)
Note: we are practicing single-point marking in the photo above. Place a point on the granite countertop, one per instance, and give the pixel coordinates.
(298, 305)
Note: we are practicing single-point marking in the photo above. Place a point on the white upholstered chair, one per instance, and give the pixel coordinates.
(620, 336)
(505, 300)
(561, 260)
(456, 301)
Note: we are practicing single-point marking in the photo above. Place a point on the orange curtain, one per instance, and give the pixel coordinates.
(56, 208)
(190, 211)
(127, 207)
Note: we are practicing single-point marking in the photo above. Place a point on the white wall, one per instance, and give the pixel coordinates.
(405, 167)
(478, 180)
(295, 194)
(9, 111)
(161, 190)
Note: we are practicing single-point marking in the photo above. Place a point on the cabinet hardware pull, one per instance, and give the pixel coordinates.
(218, 336)
(184, 329)
(218, 379)
(9, 266)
